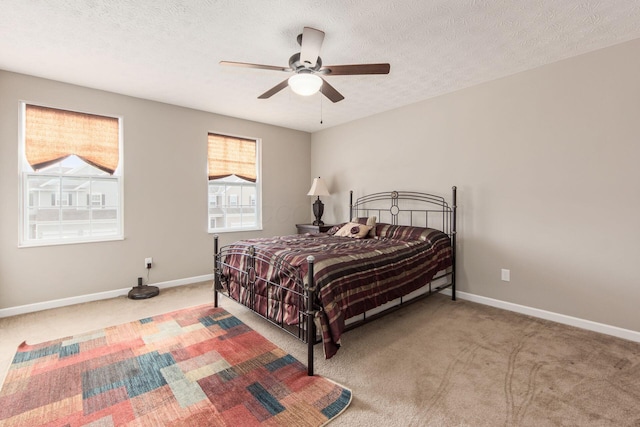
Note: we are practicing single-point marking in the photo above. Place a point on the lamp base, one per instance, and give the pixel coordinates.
(318, 210)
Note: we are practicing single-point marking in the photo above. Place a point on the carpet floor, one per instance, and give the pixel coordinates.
(434, 363)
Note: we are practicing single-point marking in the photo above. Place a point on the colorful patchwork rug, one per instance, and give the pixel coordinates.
(195, 367)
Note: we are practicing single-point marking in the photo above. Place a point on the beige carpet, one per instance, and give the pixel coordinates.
(434, 363)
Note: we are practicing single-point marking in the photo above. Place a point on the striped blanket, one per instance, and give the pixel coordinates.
(351, 275)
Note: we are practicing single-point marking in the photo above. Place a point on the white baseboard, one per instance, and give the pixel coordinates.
(535, 312)
(29, 308)
(548, 315)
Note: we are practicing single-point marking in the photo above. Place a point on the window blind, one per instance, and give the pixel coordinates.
(231, 156)
(52, 134)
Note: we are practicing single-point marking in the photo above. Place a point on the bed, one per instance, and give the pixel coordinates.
(398, 247)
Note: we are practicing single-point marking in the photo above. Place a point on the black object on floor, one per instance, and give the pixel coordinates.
(143, 291)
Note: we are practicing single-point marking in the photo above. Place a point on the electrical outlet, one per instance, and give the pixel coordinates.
(506, 275)
(148, 262)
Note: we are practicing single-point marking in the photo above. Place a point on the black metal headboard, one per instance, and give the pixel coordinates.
(408, 208)
(414, 209)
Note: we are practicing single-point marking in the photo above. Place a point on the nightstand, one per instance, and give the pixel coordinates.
(310, 228)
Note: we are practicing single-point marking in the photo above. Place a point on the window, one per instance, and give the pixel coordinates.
(71, 177)
(234, 183)
(65, 200)
(97, 199)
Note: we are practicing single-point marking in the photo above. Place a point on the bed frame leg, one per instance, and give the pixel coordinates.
(311, 326)
(216, 273)
(453, 244)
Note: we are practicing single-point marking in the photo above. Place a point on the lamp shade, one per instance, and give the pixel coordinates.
(305, 84)
(318, 188)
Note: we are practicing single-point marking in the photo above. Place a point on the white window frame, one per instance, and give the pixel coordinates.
(258, 186)
(25, 170)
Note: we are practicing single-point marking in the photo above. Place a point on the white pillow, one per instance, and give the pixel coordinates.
(353, 229)
(371, 221)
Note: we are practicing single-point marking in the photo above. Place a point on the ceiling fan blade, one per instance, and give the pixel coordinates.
(310, 46)
(346, 70)
(330, 92)
(259, 66)
(277, 88)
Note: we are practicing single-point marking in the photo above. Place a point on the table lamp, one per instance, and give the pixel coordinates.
(318, 188)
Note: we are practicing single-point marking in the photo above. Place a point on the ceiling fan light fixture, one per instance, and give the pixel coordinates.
(305, 84)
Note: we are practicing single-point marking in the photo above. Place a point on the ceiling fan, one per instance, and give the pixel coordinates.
(308, 69)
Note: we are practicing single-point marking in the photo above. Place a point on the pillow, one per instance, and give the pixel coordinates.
(333, 230)
(371, 221)
(407, 233)
(353, 229)
(381, 230)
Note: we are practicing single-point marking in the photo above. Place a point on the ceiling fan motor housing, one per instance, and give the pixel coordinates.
(297, 66)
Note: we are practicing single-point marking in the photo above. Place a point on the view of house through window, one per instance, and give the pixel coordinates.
(72, 192)
(233, 183)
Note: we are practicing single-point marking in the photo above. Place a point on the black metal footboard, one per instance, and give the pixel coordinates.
(271, 302)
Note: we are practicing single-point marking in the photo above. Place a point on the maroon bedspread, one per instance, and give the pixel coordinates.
(351, 275)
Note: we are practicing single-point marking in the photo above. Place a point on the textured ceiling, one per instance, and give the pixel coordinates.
(169, 50)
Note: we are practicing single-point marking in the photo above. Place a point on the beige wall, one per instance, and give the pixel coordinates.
(546, 164)
(165, 194)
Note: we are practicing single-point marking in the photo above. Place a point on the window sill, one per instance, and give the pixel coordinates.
(234, 230)
(67, 242)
